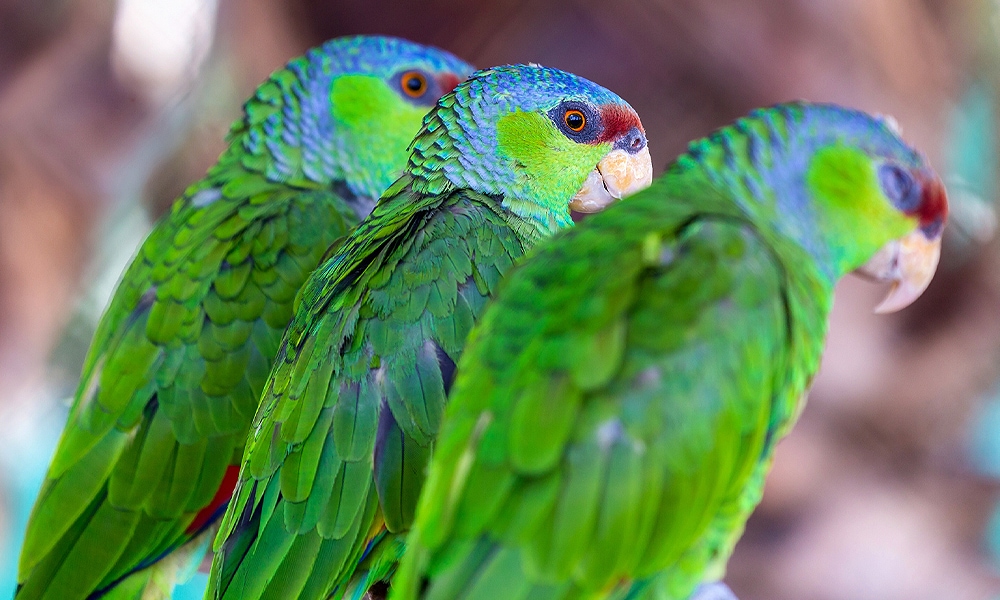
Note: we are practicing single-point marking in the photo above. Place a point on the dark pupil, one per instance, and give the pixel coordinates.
(902, 184)
(574, 120)
(414, 84)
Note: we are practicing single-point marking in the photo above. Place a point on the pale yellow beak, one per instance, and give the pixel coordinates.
(909, 263)
(619, 174)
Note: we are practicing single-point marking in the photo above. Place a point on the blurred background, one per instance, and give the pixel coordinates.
(887, 489)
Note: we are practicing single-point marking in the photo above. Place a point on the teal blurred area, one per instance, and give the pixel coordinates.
(194, 589)
(886, 489)
(21, 476)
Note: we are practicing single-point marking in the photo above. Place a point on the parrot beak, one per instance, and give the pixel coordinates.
(617, 175)
(909, 263)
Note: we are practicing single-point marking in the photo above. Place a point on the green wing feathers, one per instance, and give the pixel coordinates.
(611, 409)
(344, 431)
(173, 378)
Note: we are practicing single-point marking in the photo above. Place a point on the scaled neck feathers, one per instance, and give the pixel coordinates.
(402, 192)
(289, 133)
(445, 156)
(762, 161)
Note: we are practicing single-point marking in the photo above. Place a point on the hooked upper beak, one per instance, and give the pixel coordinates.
(616, 176)
(909, 263)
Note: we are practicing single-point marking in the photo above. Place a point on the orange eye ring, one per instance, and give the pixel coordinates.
(413, 83)
(575, 120)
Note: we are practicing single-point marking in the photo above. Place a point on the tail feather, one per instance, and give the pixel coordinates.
(485, 570)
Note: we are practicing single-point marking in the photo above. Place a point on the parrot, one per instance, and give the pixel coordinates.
(615, 411)
(335, 460)
(150, 454)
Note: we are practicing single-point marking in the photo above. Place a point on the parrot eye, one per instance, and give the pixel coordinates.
(900, 187)
(575, 120)
(413, 83)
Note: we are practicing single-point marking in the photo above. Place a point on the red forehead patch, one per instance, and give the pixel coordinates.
(448, 82)
(933, 203)
(617, 121)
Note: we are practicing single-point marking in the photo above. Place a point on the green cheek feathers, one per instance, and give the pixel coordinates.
(851, 205)
(552, 168)
(379, 125)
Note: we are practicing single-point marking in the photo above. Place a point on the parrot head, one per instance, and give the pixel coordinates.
(845, 186)
(347, 110)
(545, 140)
(874, 189)
(918, 196)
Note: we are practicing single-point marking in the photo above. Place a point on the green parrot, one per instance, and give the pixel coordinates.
(615, 412)
(336, 459)
(149, 457)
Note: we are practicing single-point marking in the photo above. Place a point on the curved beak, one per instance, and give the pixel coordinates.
(908, 263)
(619, 174)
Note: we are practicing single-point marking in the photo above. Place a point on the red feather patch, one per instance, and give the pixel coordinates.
(448, 82)
(617, 121)
(222, 496)
(934, 202)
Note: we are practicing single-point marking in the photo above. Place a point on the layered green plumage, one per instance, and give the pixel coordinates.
(180, 357)
(616, 409)
(345, 428)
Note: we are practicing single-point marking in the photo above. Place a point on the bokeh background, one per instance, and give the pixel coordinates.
(886, 489)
